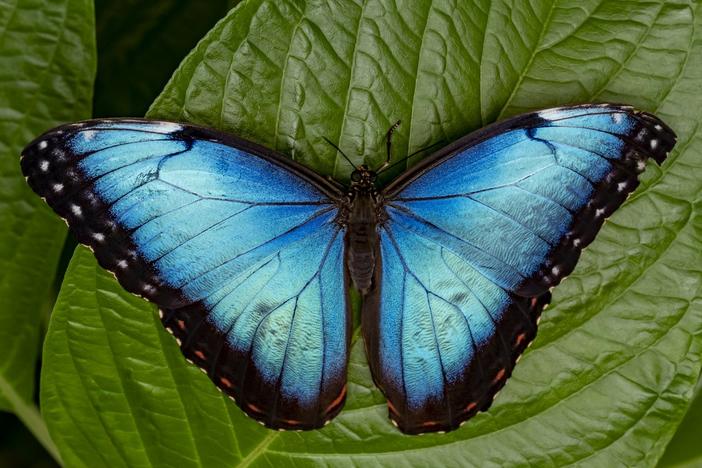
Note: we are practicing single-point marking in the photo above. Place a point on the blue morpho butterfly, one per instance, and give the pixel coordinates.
(250, 256)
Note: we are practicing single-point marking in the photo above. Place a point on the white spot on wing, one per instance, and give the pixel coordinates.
(89, 135)
(545, 115)
(599, 212)
(654, 144)
(122, 264)
(617, 118)
(42, 145)
(58, 188)
(168, 127)
(641, 165)
(44, 165)
(99, 236)
(621, 186)
(75, 209)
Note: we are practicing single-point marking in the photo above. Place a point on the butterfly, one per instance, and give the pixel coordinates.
(250, 256)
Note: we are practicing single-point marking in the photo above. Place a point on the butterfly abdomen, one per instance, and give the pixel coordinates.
(361, 241)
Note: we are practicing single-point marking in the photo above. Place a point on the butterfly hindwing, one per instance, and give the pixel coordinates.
(239, 249)
(441, 338)
(476, 236)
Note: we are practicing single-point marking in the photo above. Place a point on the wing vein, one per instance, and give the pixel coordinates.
(253, 249)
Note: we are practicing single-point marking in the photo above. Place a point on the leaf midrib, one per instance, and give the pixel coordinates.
(527, 67)
(416, 81)
(349, 87)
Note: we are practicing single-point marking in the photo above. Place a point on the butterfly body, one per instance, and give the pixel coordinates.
(250, 256)
(361, 216)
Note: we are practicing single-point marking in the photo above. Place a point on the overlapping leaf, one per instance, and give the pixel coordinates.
(618, 355)
(47, 65)
(684, 450)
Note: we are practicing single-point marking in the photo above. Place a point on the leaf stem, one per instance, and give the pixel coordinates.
(29, 415)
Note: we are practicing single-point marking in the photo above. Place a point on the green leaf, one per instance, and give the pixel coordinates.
(47, 65)
(140, 44)
(614, 367)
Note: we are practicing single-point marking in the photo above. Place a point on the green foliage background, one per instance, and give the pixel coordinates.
(617, 359)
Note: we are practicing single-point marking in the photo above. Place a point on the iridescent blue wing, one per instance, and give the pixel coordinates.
(473, 240)
(237, 246)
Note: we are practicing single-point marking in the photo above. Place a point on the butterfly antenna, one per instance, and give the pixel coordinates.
(342, 153)
(387, 168)
(388, 145)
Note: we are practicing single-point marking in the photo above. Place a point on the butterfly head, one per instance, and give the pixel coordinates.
(363, 179)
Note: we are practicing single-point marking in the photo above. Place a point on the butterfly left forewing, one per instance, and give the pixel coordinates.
(474, 239)
(239, 248)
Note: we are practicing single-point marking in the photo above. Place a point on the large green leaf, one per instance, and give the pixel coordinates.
(618, 355)
(47, 65)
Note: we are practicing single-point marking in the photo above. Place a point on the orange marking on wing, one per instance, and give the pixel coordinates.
(430, 423)
(200, 354)
(500, 374)
(254, 408)
(226, 382)
(336, 401)
(519, 339)
(471, 406)
(392, 408)
(292, 422)
(181, 324)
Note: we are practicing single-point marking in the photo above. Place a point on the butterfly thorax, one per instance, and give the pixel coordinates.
(362, 217)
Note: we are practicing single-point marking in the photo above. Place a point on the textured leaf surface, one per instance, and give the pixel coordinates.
(612, 371)
(47, 62)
